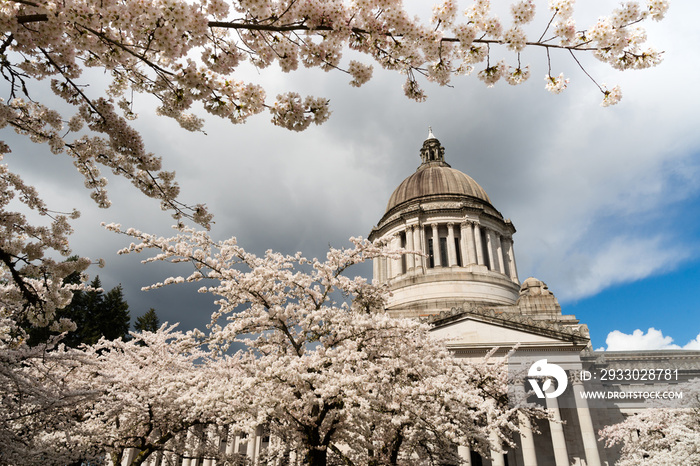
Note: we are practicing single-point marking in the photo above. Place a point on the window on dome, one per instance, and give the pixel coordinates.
(402, 239)
(431, 259)
(458, 253)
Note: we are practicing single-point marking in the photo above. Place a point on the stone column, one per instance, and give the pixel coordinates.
(489, 250)
(466, 454)
(187, 459)
(561, 456)
(410, 258)
(257, 441)
(451, 253)
(527, 441)
(389, 262)
(211, 440)
(418, 243)
(511, 261)
(394, 264)
(499, 253)
(464, 230)
(471, 245)
(496, 457)
(478, 246)
(436, 246)
(590, 444)
(250, 447)
(230, 442)
(170, 458)
(129, 456)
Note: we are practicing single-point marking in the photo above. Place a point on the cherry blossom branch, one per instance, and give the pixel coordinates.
(359, 31)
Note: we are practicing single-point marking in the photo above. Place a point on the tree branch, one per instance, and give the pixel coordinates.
(39, 17)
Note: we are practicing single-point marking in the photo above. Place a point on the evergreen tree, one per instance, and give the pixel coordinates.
(148, 322)
(95, 314)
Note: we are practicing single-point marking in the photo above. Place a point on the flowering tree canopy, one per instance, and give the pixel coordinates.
(39, 400)
(66, 405)
(325, 369)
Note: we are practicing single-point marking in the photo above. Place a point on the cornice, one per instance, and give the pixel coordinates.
(576, 334)
(457, 205)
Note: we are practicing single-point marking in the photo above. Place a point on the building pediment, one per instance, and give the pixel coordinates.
(479, 328)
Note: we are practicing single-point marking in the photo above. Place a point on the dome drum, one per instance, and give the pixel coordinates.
(415, 295)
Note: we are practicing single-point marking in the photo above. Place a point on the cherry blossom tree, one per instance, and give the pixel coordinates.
(663, 435)
(153, 389)
(113, 400)
(36, 396)
(40, 401)
(324, 368)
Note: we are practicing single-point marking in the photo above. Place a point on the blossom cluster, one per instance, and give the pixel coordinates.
(148, 45)
(556, 85)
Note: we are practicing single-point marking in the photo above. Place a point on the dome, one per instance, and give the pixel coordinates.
(436, 179)
(465, 244)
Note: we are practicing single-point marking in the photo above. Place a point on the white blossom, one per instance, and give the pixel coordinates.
(611, 96)
(333, 378)
(523, 11)
(556, 85)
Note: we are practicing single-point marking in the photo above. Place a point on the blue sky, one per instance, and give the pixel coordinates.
(666, 301)
(606, 201)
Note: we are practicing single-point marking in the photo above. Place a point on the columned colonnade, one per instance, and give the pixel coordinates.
(448, 244)
(249, 445)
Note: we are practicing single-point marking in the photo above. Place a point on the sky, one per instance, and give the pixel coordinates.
(606, 201)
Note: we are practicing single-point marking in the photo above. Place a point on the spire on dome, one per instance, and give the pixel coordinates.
(432, 151)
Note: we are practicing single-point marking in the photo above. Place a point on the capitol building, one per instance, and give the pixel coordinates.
(466, 285)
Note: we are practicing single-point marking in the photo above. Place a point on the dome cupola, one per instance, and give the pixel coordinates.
(466, 245)
(432, 151)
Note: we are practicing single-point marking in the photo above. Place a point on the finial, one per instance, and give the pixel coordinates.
(430, 133)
